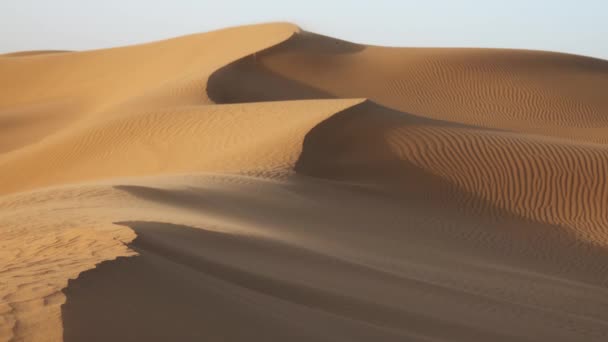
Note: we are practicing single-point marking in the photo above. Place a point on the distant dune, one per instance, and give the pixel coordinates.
(263, 183)
(31, 53)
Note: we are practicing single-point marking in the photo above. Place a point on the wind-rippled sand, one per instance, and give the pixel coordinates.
(263, 183)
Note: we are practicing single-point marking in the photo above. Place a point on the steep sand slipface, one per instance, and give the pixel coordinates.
(465, 201)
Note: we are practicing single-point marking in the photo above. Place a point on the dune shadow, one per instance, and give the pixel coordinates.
(164, 294)
(192, 284)
(248, 80)
(185, 285)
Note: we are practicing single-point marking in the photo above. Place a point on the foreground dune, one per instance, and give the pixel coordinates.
(266, 183)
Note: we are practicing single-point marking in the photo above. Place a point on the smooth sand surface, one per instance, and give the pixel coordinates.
(263, 183)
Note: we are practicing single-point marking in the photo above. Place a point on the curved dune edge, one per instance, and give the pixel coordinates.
(43, 247)
(314, 179)
(167, 139)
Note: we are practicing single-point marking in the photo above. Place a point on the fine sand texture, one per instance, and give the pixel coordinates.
(264, 183)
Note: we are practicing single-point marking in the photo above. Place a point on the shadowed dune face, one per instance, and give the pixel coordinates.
(270, 309)
(249, 80)
(470, 168)
(296, 289)
(266, 183)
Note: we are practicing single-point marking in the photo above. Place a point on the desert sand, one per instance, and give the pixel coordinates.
(264, 183)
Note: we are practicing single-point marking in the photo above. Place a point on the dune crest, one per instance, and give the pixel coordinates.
(271, 182)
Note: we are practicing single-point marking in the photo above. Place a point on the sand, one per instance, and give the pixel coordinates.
(263, 183)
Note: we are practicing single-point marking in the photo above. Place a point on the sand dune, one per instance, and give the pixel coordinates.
(267, 183)
(534, 92)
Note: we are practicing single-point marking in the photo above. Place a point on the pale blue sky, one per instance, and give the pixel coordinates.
(579, 27)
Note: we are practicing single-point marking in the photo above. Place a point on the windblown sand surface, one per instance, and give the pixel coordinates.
(263, 183)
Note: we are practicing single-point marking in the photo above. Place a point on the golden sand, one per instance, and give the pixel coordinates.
(262, 183)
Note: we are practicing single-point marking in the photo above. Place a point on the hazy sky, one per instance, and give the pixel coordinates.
(579, 26)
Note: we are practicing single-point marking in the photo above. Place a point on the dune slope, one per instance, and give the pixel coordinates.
(267, 183)
(528, 91)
